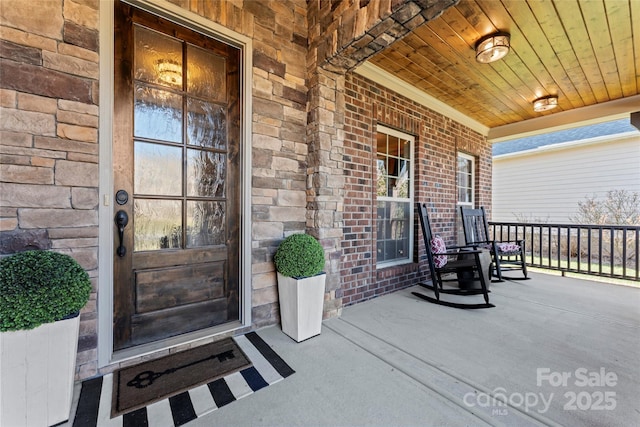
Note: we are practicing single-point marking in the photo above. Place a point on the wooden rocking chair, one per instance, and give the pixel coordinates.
(506, 255)
(448, 266)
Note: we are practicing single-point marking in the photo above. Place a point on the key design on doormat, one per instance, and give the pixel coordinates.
(146, 378)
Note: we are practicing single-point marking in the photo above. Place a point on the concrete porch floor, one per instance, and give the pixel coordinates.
(558, 350)
(400, 361)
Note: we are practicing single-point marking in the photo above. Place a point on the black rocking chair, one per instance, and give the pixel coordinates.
(461, 261)
(506, 255)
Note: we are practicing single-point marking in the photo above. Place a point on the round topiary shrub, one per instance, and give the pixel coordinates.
(38, 287)
(299, 255)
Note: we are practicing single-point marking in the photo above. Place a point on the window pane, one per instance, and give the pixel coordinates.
(463, 165)
(157, 224)
(392, 165)
(461, 195)
(381, 177)
(393, 231)
(206, 173)
(206, 124)
(381, 143)
(206, 74)
(158, 169)
(158, 58)
(205, 223)
(382, 216)
(399, 188)
(405, 149)
(401, 185)
(399, 215)
(157, 114)
(394, 146)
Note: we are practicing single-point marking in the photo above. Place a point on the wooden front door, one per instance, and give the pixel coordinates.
(176, 180)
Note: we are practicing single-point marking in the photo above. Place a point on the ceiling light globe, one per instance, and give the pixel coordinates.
(545, 103)
(492, 48)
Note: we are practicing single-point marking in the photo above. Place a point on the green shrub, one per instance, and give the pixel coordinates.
(299, 255)
(39, 287)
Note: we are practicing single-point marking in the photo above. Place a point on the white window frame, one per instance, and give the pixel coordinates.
(411, 139)
(473, 180)
(459, 229)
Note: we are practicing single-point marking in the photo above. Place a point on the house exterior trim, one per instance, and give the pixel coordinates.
(390, 81)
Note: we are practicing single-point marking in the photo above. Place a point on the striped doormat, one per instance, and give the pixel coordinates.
(94, 404)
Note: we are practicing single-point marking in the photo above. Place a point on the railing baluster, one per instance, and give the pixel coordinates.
(638, 253)
(589, 252)
(559, 246)
(578, 249)
(624, 251)
(549, 245)
(569, 230)
(612, 257)
(540, 246)
(600, 251)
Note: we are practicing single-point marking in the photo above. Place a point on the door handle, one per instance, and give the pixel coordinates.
(121, 220)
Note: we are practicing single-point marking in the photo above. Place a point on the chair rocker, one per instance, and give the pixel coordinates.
(505, 255)
(446, 264)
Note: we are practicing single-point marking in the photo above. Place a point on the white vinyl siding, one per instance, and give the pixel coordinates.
(545, 185)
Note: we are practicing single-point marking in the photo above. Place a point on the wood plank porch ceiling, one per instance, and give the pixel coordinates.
(587, 52)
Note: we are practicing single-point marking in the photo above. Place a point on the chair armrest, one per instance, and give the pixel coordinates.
(466, 252)
(517, 242)
(482, 242)
(473, 246)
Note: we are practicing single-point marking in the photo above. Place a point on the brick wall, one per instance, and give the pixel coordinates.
(438, 139)
(342, 35)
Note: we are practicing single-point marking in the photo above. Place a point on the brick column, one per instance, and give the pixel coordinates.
(342, 35)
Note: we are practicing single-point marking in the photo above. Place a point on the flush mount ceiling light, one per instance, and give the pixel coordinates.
(545, 103)
(170, 71)
(492, 47)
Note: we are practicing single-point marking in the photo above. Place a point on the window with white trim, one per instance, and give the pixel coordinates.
(394, 193)
(466, 178)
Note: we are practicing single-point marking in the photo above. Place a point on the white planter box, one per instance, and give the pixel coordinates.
(37, 370)
(301, 303)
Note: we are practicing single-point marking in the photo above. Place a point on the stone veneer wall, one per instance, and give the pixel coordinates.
(49, 135)
(302, 49)
(438, 139)
(49, 139)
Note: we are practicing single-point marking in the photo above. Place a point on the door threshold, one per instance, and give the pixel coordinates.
(191, 339)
